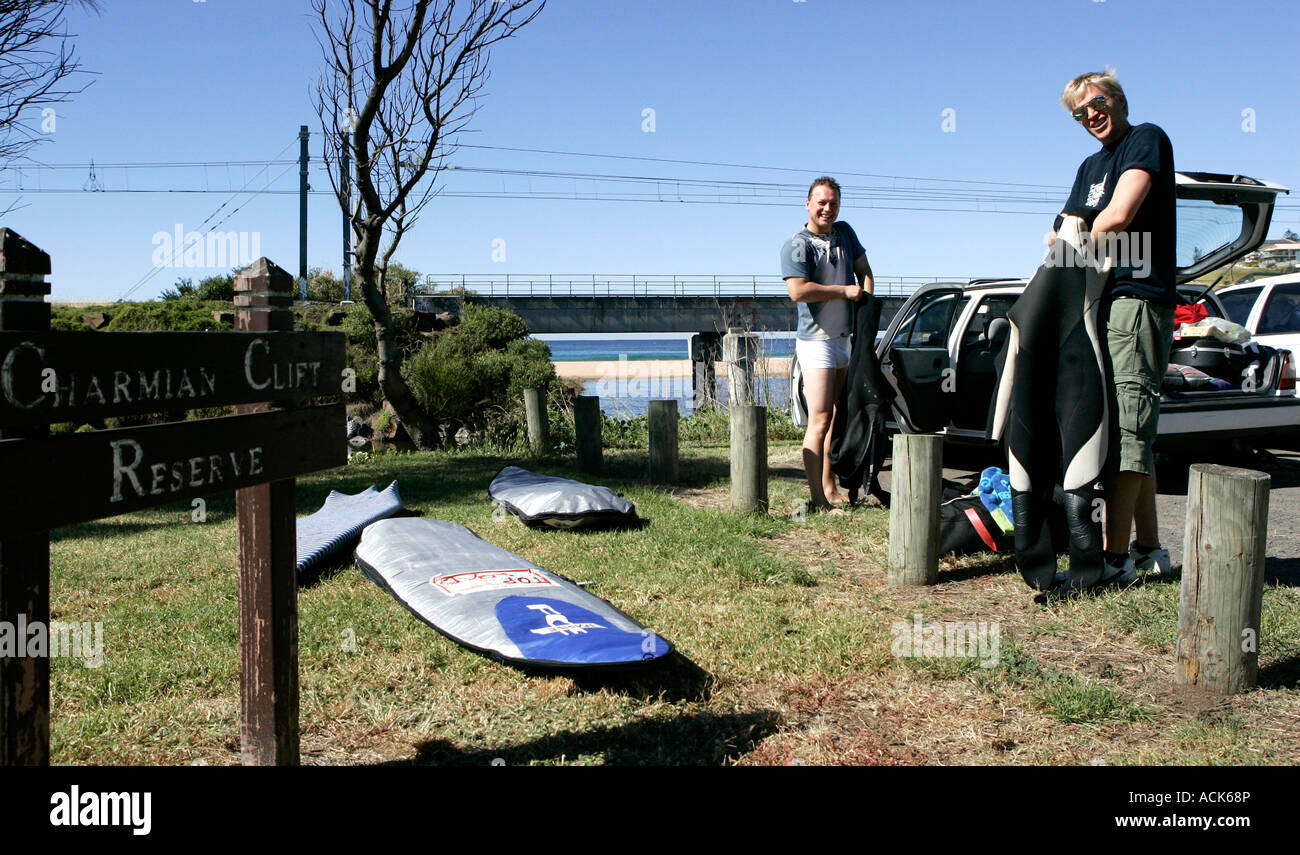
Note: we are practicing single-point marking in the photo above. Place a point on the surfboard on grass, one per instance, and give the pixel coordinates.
(551, 502)
(339, 522)
(497, 603)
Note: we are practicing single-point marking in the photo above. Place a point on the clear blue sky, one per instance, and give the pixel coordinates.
(813, 87)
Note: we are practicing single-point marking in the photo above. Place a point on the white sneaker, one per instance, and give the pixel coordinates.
(1155, 562)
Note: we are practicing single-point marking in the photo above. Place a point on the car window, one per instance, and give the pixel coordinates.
(1282, 311)
(1202, 227)
(989, 310)
(1237, 304)
(933, 321)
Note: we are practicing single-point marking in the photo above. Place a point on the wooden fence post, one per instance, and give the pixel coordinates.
(1223, 578)
(749, 458)
(916, 487)
(663, 442)
(25, 559)
(268, 580)
(740, 350)
(586, 433)
(538, 430)
(706, 349)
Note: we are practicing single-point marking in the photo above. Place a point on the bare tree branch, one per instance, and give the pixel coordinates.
(400, 83)
(38, 67)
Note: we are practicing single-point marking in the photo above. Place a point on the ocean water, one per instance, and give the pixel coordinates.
(570, 349)
(629, 397)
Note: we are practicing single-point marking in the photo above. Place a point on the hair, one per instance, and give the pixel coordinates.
(825, 181)
(1103, 80)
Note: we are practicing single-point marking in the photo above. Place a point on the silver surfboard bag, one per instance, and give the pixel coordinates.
(543, 500)
(497, 603)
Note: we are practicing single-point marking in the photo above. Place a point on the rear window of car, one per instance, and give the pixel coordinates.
(1282, 311)
(1237, 304)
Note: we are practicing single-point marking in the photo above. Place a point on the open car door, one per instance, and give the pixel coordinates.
(915, 360)
(1220, 218)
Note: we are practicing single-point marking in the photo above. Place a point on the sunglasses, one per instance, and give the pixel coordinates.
(1099, 103)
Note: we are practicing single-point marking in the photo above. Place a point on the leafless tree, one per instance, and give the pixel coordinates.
(38, 67)
(401, 81)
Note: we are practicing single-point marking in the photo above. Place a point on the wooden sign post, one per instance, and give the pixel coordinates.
(75, 377)
(24, 558)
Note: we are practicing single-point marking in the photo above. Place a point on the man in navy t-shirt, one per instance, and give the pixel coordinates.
(1125, 193)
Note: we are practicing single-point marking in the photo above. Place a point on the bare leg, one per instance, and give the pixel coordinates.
(818, 385)
(1144, 513)
(830, 486)
(1122, 491)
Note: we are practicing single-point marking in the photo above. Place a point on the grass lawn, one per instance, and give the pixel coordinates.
(783, 623)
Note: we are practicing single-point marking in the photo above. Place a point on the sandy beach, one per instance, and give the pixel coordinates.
(651, 369)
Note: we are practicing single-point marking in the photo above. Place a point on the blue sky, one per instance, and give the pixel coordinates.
(808, 87)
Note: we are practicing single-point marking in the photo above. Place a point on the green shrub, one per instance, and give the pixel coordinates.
(495, 327)
(462, 380)
(216, 288)
(187, 315)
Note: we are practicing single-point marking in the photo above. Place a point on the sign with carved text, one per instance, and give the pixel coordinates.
(87, 476)
(86, 376)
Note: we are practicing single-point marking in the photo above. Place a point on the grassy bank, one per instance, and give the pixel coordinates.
(784, 626)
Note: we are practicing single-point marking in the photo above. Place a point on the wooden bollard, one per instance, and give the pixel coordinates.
(586, 433)
(1223, 578)
(663, 442)
(749, 458)
(916, 488)
(538, 430)
(740, 350)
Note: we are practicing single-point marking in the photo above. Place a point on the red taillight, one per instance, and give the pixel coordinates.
(1288, 375)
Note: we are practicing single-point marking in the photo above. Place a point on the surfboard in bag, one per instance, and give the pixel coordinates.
(326, 533)
(544, 500)
(497, 603)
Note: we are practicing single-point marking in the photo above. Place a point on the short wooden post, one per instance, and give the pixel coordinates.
(749, 458)
(916, 481)
(268, 582)
(538, 430)
(1223, 578)
(663, 442)
(586, 433)
(24, 560)
(740, 350)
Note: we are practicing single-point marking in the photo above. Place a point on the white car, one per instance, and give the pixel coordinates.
(1269, 309)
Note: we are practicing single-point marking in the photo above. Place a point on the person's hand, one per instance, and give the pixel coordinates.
(1051, 239)
(853, 292)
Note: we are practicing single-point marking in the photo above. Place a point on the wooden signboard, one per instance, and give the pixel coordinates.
(86, 376)
(88, 476)
(51, 377)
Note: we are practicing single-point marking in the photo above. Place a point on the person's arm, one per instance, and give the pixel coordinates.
(805, 291)
(862, 270)
(1130, 191)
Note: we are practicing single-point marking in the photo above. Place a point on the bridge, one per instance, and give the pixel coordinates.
(707, 304)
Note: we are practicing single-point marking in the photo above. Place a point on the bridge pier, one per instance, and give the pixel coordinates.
(706, 350)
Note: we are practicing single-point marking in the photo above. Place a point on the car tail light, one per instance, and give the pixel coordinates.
(1288, 375)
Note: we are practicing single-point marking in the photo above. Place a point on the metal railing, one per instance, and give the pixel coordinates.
(637, 285)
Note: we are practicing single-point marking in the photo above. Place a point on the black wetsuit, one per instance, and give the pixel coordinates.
(1051, 411)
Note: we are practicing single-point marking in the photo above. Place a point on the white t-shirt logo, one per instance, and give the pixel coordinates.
(1096, 191)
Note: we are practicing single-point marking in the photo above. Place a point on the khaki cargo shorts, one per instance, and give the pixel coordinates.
(1138, 336)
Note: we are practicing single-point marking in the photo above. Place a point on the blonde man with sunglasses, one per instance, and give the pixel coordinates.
(1125, 192)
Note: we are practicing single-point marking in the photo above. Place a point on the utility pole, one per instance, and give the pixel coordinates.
(345, 170)
(302, 212)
